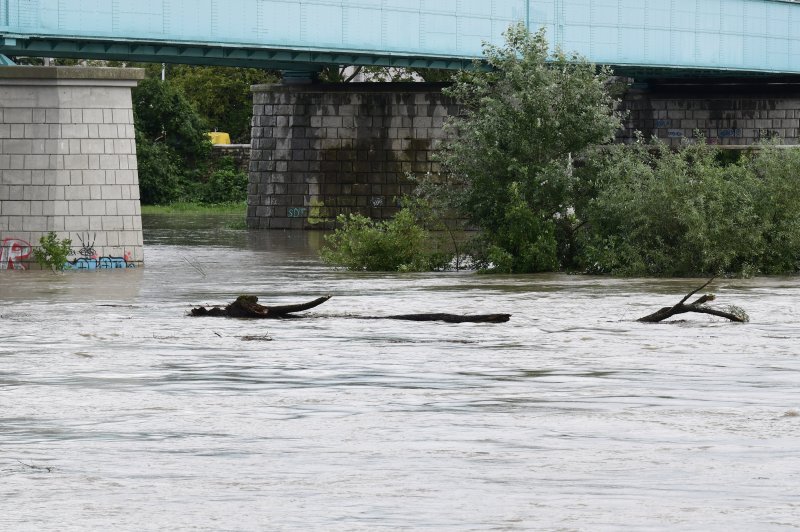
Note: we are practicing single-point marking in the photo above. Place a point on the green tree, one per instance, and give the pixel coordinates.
(508, 163)
(172, 144)
(162, 173)
(221, 95)
(163, 114)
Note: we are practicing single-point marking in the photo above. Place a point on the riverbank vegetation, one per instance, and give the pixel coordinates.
(238, 208)
(404, 243)
(174, 152)
(531, 167)
(649, 210)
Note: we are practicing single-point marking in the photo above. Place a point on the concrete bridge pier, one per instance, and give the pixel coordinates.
(68, 165)
(325, 149)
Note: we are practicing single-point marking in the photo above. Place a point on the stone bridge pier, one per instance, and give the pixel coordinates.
(732, 112)
(68, 165)
(322, 150)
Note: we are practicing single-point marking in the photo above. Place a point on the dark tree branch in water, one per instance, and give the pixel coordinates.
(733, 313)
(248, 307)
(450, 318)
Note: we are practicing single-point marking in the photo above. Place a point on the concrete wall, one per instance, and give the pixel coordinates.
(68, 165)
(321, 150)
(239, 153)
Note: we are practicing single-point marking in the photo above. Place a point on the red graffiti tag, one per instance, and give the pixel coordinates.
(13, 252)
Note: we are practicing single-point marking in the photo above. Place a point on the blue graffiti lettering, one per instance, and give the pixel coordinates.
(729, 133)
(100, 263)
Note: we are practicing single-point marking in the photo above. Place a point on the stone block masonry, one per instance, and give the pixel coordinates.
(68, 165)
(323, 150)
(737, 113)
(238, 153)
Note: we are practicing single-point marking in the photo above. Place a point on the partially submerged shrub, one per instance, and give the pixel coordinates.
(523, 243)
(400, 244)
(777, 205)
(658, 212)
(52, 253)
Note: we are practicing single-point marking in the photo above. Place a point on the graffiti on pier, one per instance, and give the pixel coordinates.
(13, 252)
(729, 133)
(89, 260)
(87, 248)
(101, 263)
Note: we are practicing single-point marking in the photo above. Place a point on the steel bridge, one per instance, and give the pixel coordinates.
(731, 37)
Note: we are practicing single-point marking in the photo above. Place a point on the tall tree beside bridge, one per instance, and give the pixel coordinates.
(508, 163)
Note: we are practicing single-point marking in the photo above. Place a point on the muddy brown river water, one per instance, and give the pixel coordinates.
(119, 412)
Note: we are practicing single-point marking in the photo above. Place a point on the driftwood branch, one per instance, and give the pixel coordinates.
(699, 305)
(247, 307)
(451, 318)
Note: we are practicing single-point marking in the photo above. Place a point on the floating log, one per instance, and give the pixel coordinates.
(699, 305)
(246, 306)
(451, 318)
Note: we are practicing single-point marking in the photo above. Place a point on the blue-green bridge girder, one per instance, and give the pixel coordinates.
(719, 36)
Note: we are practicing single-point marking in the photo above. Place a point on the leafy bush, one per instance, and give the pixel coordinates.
(399, 244)
(523, 242)
(777, 204)
(52, 253)
(657, 212)
(221, 95)
(226, 184)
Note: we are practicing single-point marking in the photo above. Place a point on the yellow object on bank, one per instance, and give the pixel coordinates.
(218, 137)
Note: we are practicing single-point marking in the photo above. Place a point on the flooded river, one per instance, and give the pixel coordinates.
(119, 412)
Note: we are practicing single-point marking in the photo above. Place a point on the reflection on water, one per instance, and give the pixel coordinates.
(121, 412)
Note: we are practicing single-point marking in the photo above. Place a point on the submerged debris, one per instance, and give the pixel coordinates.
(246, 306)
(256, 338)
(450, 318)
(732, 313)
